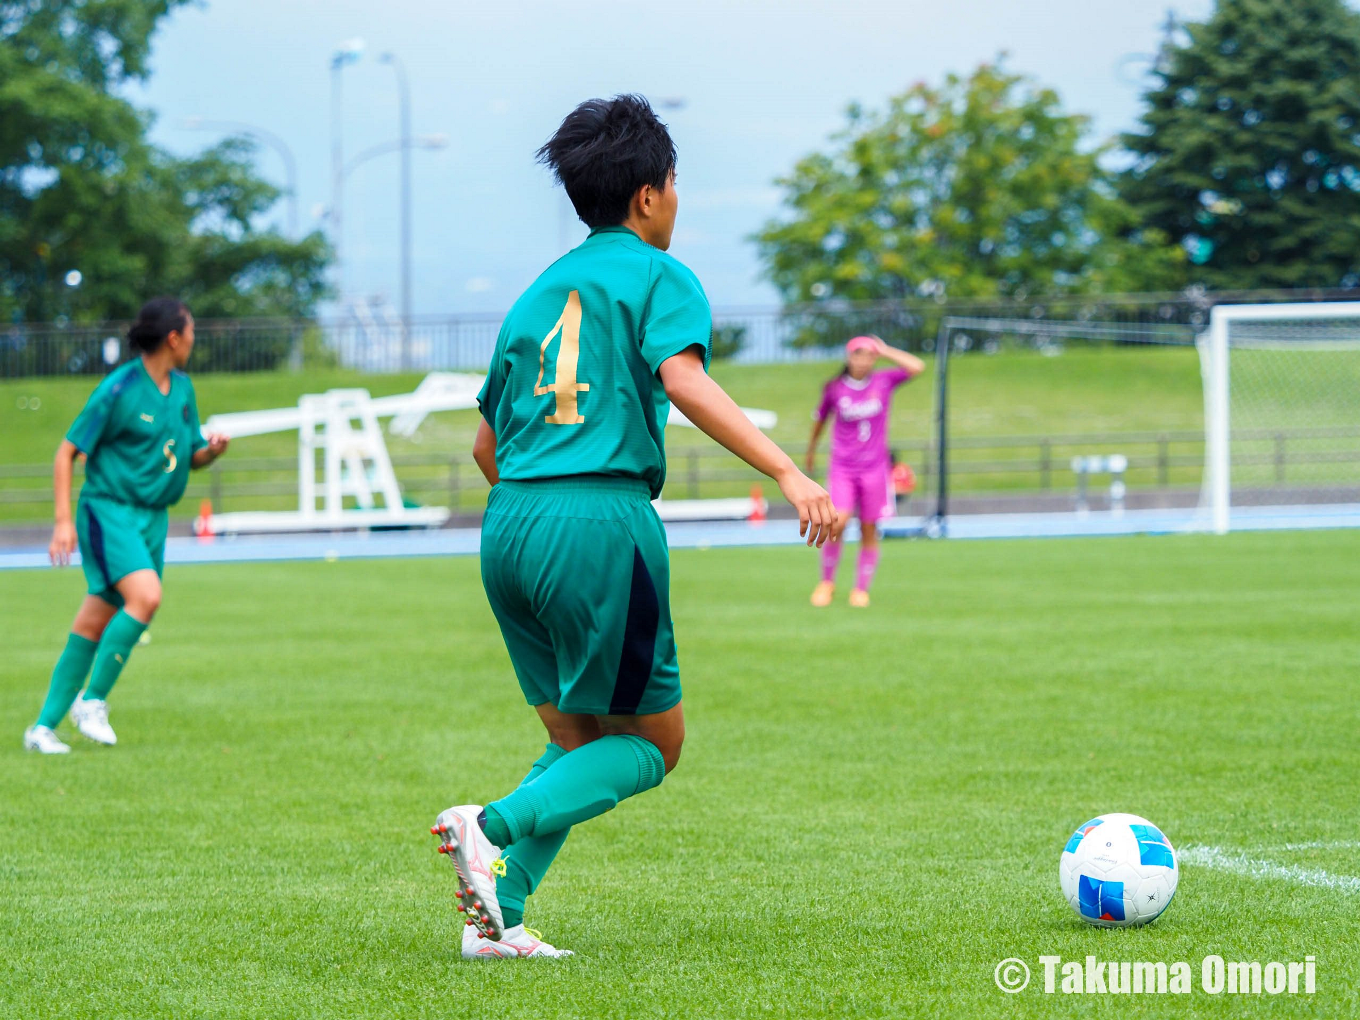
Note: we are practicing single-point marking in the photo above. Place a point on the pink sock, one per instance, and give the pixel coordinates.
(831, 558)
(864, 570)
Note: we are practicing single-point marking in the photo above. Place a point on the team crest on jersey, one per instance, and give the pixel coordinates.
(148, 417)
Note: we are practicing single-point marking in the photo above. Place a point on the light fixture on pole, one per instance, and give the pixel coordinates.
(270, 139)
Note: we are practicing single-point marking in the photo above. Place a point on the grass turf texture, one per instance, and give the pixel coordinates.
(866, 820)
(1084, 391)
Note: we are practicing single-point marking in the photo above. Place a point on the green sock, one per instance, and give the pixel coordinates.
(528, 860)
(580, 785)
(120, 637)
(67, 679)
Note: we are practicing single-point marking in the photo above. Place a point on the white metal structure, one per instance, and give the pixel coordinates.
(1114, 465)
(1328, 400)
(342, 455)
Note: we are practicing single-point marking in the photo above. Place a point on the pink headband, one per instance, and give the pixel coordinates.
(861, 343)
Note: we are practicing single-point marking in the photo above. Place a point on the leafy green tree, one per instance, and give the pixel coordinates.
(981, 188)
(728, 340)
(82, 189)
(1250, 154)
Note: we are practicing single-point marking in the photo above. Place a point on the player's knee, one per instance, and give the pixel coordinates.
(144, 602)
(671, 757)
(670, 745)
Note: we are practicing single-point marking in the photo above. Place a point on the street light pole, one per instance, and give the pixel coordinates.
(270, 139)
(404, 99)
(348, 53)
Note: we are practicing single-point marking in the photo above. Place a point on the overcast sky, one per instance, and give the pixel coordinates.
(763, 83)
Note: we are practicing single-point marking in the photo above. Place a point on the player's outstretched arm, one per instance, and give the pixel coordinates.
(704, 402)
(64, 531)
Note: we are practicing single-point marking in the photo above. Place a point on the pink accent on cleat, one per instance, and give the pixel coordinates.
(473, 857)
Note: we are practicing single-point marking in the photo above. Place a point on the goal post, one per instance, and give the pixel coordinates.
(1281, 406)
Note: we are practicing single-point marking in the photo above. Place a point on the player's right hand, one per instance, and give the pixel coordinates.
(817, 519)
(64, 542)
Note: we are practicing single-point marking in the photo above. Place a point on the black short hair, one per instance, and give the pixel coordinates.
(604, 151)
(158, 318)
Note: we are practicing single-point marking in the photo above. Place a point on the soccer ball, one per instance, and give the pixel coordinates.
(1118, 871)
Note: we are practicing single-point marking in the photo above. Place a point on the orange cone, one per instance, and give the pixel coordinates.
(757, 505)
(203, 522)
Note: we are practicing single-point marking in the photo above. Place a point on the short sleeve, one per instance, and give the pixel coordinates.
(88, 429)
(489, 397)
(678, 316)
(196, 440)
(824, 409)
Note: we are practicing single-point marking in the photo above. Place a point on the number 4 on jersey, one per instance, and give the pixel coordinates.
(564, 386)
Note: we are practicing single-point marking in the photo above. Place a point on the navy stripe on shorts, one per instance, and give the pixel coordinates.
(639, 641)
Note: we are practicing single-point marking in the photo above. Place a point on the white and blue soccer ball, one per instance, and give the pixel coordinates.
(1118, 871)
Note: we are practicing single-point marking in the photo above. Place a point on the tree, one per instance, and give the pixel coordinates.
(1250, 153)
(981, 188)
(82, 189)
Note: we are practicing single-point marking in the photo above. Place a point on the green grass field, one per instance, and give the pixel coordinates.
(866, 820)
(1084, 391)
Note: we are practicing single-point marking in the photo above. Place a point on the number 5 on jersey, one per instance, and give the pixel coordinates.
(564, 386)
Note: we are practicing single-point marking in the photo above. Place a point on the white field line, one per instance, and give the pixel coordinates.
(1320, 844)
(1240, 864)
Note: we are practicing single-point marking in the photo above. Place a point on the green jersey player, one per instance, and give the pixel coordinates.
(140, 436)
(574, 558)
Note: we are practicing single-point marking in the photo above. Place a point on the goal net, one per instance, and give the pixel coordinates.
(1282, 402)
(1093, 421)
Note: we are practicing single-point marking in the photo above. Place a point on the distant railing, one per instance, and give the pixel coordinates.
(458, 342)
(982, 466)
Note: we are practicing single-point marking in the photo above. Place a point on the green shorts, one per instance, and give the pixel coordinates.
(117, 539)
(578, 575)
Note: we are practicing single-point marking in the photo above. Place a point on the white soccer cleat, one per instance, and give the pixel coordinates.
(473, 856)
(92, 719)
(516, 943)
(44, 741)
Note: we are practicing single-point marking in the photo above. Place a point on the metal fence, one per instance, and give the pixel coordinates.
(424, 343)
(1033, 471)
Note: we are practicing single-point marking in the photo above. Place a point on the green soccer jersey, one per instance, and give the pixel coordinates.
(138, 441)
(573, 386)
